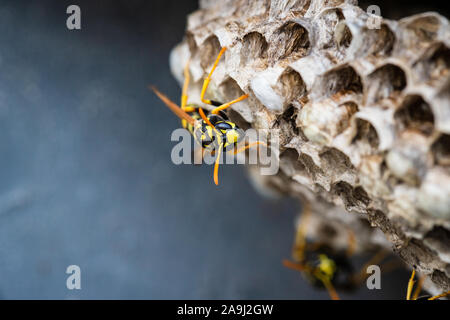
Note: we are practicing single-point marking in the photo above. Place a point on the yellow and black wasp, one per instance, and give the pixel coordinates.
(213, 131)
(326, 267)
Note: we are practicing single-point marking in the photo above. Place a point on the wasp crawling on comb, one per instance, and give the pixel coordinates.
(211, 130)
(327, 267)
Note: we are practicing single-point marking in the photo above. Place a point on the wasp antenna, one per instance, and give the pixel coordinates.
(172, 106)
(204, 117)
(294, 266)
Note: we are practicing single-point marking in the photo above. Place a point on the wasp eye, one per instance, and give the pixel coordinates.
(223, 126)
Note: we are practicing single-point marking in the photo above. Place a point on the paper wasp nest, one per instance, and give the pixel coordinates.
(363, 107)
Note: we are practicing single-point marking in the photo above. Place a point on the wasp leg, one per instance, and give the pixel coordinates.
(216, 165)
(351, 244)
(388, 266)
(440, 295)
(184, 95)
(219, 152)
(206, 83)
(331, 290)
(208, 78)
(410, 285)
(300, 238)
(298, 250)
(376, 259)
(228, 104)
(416, 293)
(418, 288)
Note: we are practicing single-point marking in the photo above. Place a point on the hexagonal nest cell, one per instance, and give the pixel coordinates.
(386, 82)
(341, 80)
(208, 51)
(291, 40)
(377, 42)
(290, 85)
(434, 65)
(363, 113)
(441, 150)
(367, 136)
(254, 49)
(415, 114)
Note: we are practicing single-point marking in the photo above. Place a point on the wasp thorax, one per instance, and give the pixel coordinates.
(223, 133)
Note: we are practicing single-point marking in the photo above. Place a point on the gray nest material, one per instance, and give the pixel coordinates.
(364, 114)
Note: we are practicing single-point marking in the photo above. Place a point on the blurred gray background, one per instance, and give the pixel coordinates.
(86, 176)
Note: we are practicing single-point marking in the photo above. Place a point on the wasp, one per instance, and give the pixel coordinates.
(332, 269)
(213, 131)
(326, 267)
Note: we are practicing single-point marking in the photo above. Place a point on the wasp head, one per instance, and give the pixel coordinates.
(222, 133)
